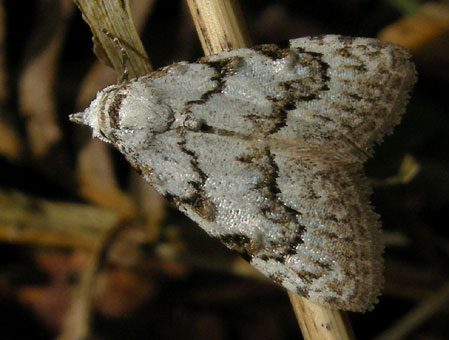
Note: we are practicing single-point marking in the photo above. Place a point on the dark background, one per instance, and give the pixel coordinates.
(213, 304)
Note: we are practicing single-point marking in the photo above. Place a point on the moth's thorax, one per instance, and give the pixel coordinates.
(128, 111)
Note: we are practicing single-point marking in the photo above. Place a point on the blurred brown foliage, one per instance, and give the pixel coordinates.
(72, 213)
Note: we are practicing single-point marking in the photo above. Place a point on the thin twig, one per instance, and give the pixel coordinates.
(114, 17)
(219, 24)
(221, 27)
(320, 323)
(78, 321)
(417, 315)
(51, 223)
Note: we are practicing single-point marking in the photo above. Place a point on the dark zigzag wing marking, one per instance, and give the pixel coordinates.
(369, 81)
(341, 249)
(302, 233)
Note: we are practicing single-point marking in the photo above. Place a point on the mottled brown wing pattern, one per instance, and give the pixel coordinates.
(264, 149)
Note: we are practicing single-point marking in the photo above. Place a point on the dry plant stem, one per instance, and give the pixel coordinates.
(114, 17)
(51, 223)
(219, 24)
(221, 27)
(414, 319)
(319, 322)
(78, 320)
(101, 75)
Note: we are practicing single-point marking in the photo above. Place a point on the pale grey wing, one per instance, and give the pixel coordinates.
(326, 93)
(368, 82)
(340, 257)
(239, 92)
(258, 149)
(305, 225)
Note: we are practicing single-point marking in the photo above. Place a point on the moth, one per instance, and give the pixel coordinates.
(264, 148)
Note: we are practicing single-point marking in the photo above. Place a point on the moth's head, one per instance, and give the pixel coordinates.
(125, 111)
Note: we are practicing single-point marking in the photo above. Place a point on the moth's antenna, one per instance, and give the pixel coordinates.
(125, 57)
